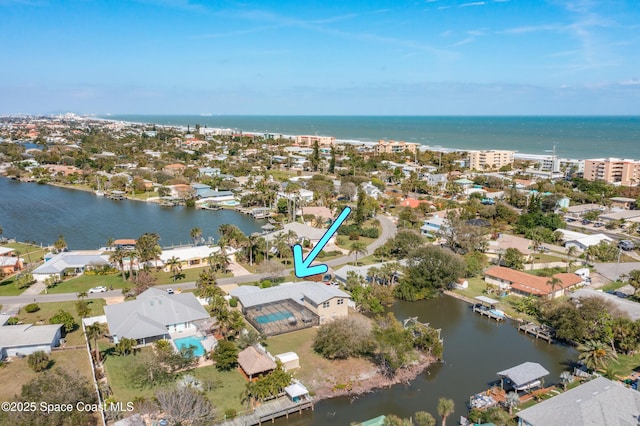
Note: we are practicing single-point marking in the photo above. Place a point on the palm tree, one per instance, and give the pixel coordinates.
(595, 354)
(565, 378)
(446, 407)
(554, 282)
(117, 256)
(196, 235)
(94, 332)
(175, 266)
(572, 251)
(358, 248)
(512, 400)
(82, 295)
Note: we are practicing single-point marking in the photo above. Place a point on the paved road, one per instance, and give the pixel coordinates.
(590, 229)
(388, 231)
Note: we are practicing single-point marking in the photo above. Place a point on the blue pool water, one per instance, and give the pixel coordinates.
(277, 316)
(185, 342)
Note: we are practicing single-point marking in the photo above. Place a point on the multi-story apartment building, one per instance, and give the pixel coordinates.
(394, 147)
(306, 140)
(490, 159)
(613, 170)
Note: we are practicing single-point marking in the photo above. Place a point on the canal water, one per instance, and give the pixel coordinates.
(475, 349)
(40, 213)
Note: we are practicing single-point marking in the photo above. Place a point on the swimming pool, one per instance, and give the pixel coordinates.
(276, 316)
(185, 342)
(229, 203)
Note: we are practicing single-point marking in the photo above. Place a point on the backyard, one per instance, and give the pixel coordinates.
(16, 373)
(49, 309)
(224, 394)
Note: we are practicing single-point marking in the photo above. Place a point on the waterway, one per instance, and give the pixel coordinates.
(40, 213)
(475, 349)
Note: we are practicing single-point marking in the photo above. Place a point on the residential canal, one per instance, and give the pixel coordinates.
(475, 348)
(40, 213)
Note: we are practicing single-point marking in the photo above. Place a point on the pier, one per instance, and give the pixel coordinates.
(269, 411)
(487, 307)
(538, 331)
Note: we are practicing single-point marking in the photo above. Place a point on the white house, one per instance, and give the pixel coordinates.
(154, 315)
(69, 262)
(25, 339)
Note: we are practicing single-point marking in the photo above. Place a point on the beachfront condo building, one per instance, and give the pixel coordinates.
(394, 147)
(306, 140)
(613, 170)
(490, 159)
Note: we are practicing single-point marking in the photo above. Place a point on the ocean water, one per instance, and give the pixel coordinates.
(574, 137)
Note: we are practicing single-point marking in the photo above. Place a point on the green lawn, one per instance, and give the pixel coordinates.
(186, 275)
(613, 285)
(226, 394)
(8, 288)
(116, 369)
(17, 372)
(85, 282)
(477, 287)
(546, 258)
(26, 251)
(47, 310)
(626, 364)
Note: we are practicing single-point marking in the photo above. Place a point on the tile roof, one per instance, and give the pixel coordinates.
(528, 283)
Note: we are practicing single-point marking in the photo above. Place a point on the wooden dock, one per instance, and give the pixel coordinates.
(483, 310)
(269, 411)
(537, 331)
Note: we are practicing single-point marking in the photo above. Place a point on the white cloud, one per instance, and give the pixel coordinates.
(475, 3)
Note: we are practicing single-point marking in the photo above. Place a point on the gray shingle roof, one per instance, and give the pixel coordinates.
(600, 402)
(524, 373)
(151, 313)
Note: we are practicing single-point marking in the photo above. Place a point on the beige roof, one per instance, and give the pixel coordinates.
(254, 361)
(506, 241)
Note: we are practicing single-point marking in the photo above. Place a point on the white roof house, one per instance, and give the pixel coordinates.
(26, 339)
(302, 231)
(588, 241)
(313, 291)
(189, 255)
(154, 314)
(74, 261)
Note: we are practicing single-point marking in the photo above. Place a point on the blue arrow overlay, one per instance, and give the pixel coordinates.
(302, 266)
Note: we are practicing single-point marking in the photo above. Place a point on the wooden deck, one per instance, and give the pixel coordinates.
(482, 310)
(537, 331)
(269, 411)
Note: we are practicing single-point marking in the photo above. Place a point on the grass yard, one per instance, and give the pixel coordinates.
(625, 365)
(227, 394)
(26, 251)
(47, 310)
(186, 275)
(84, 282)
(477, 287)
(116, 368)
(613, 285)
(17, 372)
(316, 372)
(8, 288)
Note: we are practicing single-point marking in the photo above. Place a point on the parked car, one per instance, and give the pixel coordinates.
(598, 225)
(586, 221)
(626, 245)
(170, 291)
(99, 289)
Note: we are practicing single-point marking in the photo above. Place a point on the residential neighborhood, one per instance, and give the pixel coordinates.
(544, 245)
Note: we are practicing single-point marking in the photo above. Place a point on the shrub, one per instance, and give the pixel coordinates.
(233, 302)
(32, 307)
(65, 318)
(265, 283)
(38, 361)
(13, 321)
(230, 413)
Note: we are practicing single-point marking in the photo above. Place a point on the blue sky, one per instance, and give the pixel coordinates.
(433, 57)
